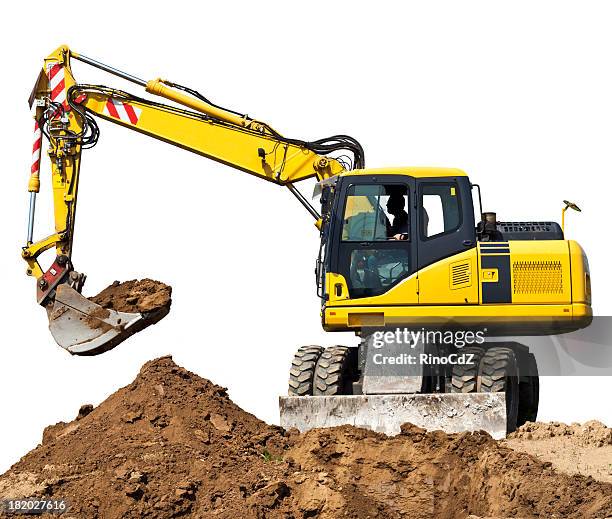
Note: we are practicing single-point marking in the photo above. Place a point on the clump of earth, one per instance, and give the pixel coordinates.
(137, 295)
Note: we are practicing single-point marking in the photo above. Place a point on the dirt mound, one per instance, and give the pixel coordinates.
(145, 295)
(592, 433)
(173, 444)
(575, 449)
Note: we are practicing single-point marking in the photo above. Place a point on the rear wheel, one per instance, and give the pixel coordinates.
(334, 372)
(464, 377)
(529, 392)
(301, 374)
(499, 373)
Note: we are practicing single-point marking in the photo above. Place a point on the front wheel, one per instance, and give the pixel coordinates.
(302, 372)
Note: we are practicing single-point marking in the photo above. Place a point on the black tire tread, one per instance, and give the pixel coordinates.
(529, 393)
(464, 378)
(331, 371)
(499, 366)
(301, 374)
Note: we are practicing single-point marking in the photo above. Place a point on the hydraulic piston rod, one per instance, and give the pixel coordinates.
(108, 68)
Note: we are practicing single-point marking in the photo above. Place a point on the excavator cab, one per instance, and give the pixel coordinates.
(386, 225)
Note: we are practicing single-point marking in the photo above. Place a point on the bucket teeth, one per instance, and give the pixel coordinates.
(85, 328)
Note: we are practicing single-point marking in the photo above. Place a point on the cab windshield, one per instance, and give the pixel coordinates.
(375, 237)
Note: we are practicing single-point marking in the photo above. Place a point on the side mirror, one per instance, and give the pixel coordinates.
(568, 205)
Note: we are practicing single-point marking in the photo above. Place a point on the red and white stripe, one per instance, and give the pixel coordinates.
(36, 150)
(123, 111)
(57, 84)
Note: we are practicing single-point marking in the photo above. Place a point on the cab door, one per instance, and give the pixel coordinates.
(446, 237)
(373, 236)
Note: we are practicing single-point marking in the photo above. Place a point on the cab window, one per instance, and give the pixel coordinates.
(375, 212)
(440, 211)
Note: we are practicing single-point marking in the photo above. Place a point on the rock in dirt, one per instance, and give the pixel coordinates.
(84, 410)
(173, 444)
(144, 295)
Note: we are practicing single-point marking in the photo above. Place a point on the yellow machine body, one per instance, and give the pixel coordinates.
(539, 286)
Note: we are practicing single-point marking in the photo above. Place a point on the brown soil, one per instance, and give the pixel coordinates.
(94, 321)
(575, 449)
(144, 295)
(173, 444)
(589, 434)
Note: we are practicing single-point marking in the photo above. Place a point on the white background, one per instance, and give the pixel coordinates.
(519, 94)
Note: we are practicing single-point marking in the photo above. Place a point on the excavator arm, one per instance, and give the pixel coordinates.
(65, 114)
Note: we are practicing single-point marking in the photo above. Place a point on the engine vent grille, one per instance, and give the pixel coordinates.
(537, 277)
(461, 274)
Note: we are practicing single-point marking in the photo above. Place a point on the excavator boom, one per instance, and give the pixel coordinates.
(65, 113)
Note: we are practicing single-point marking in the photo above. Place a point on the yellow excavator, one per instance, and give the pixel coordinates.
(401, 250)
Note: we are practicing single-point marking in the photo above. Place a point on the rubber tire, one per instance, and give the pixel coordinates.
(464, 378)
(499, 373)
(333, 372)
(529, 393)
(301, 374)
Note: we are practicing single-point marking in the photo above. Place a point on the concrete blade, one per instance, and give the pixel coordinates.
(449, 412)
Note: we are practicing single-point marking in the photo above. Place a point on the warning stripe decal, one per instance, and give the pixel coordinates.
(54, 68)
(36, 149)
(57, 84)
(122, 111)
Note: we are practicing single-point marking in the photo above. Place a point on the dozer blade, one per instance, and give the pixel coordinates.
(85, 328)
(449, 412)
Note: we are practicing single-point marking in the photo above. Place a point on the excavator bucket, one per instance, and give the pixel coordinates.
(449, 412)
(86, 328)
